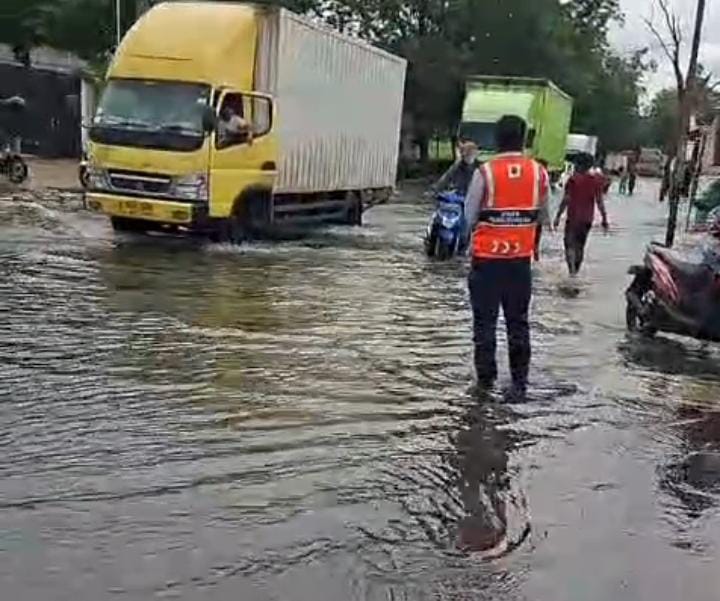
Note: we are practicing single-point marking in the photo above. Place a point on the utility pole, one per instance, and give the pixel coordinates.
(688, 97)
(118, 23)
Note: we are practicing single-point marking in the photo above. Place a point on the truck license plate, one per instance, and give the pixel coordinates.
(135, 208)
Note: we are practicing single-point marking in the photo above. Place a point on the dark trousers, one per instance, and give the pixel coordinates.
(632, 182)
(506, 284)
(576, 236)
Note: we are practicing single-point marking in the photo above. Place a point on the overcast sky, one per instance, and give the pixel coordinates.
(635, 35)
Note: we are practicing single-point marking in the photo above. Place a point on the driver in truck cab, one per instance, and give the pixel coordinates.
(231, 126)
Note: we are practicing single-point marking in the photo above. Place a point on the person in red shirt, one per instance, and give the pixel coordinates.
(583, 192)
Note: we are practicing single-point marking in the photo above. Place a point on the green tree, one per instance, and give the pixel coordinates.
(22, 25)
(444, 41)
(662, 120)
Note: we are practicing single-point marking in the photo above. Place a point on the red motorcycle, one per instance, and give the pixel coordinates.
(677, 293)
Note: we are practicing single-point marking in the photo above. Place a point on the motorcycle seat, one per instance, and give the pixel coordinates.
(695, 275)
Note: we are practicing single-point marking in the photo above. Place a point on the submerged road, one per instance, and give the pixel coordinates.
(292, 422)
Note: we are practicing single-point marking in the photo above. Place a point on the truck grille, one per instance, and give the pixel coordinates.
(135, 182)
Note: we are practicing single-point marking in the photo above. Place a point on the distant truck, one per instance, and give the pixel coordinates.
(229, 118)
(581, 144)
(650, 162)
(545, 107)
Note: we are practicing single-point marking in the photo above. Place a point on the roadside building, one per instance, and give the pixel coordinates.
(52, 87)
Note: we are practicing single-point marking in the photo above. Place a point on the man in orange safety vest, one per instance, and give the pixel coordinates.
(505, 209)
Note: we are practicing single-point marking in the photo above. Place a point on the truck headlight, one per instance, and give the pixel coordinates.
(97, 179)
(192, 187)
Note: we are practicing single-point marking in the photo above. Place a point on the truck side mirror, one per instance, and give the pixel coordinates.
(209, 119)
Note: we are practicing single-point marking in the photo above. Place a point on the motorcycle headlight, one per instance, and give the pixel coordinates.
(97, 179)
(192, 187)
(450, 221)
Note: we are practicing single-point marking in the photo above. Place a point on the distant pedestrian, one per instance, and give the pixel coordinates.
(623, 184)
(583, 192)
(632, 176)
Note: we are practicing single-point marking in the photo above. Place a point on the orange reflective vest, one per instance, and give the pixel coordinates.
(515, 187)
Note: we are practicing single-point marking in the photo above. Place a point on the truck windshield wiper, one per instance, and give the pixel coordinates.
(125, 123)
(178, 128)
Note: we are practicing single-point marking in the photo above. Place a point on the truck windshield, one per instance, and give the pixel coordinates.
(483, 134)
(151, 114)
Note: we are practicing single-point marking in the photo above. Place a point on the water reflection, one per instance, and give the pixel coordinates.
(485, 484)
(694, 476)
(683, 395)
(671, 356)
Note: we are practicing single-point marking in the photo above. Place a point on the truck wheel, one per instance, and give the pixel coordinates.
(17, 170)
(125, 224)
(229, 231)
(355, 209)
(257, 214)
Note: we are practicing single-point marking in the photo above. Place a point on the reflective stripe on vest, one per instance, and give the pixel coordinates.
(507, 226)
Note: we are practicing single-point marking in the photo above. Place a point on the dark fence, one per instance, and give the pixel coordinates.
(50, 124)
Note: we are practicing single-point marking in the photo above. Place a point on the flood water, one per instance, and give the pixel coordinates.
(293, 421)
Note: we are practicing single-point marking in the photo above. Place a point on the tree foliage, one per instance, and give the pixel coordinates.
(445, 41)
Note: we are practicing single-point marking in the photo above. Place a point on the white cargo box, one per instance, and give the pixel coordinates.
(580, 143)
(339, 105)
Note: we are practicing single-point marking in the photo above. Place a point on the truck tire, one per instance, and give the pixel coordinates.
(17, 170)
(257, 213)
(355, 209)
(251, 217)
(229, 231)
(126, 224)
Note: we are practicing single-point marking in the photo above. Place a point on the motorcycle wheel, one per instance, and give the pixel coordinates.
(636, 323)
(444, 250)
(17, 170)
(84, 177)
(632, 319)
(431, 242)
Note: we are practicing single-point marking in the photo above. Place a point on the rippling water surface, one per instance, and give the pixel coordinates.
(292, 421)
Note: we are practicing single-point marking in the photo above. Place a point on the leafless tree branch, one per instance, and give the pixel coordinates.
(672, 47)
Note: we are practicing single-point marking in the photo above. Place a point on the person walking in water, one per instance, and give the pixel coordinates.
(583, 192)
(632, 175)
(623, 184)
(505, 208)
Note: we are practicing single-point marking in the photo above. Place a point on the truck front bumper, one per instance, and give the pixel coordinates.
(158, 211)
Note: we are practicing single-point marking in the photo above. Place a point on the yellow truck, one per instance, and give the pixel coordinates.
(226, 119)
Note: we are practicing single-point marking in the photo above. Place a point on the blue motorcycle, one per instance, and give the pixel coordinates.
(445, 233)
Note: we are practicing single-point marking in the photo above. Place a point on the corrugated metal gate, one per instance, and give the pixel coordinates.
(50, 123)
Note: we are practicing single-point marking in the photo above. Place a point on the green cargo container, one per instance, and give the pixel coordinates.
(544, 106)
